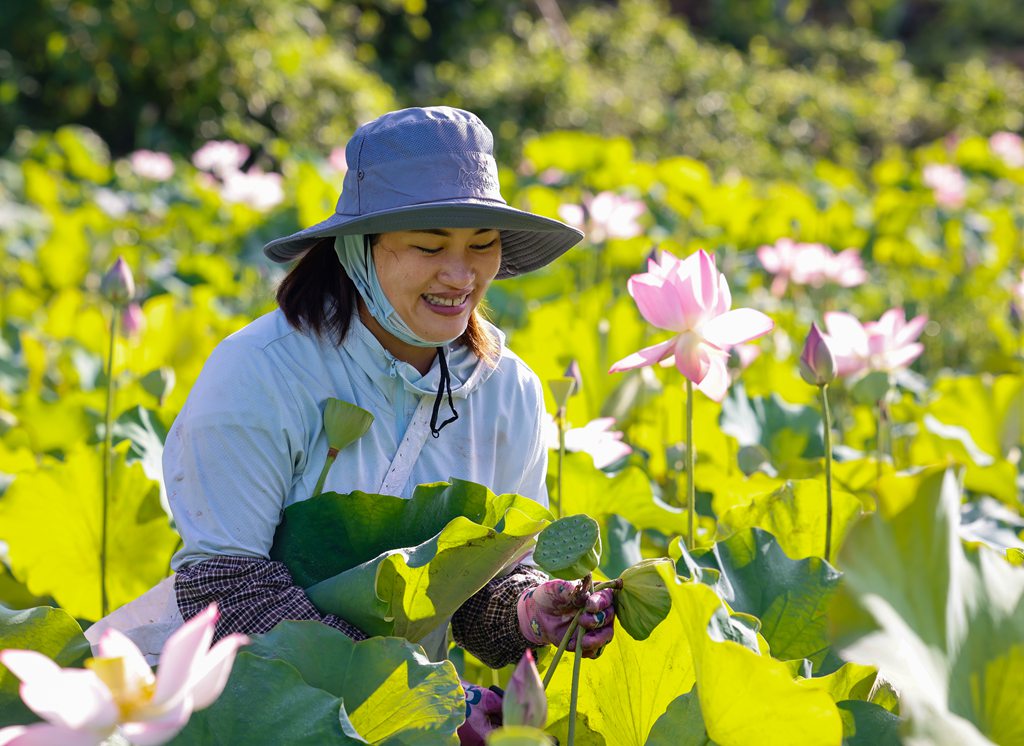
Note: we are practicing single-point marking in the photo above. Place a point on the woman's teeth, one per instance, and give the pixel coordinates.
(438, 300)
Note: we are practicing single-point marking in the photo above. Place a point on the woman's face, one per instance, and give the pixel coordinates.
(434, 278)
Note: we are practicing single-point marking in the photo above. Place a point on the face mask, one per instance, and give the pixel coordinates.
(356, 257)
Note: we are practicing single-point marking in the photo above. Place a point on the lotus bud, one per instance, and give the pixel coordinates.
(118, 285)
(561, 390)
(817, 363)
(345, 423)
(573, 372)
(643, 601)
(524, 702)
(569, 548)
(132, 319)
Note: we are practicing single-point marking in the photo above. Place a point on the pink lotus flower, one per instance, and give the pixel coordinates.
(151, 165)
(596, 438)
(1009, 146)
(524, 702)
(606, 215)
(886, 345)
(132, 320)
(118, 691)
(810, 264)
(117, 286)
(338, 160)
(220, 157)
(260, 191)
(691, 298)
(947, 182)
(817, 363)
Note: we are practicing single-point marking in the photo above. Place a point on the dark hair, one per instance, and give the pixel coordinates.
(318, 296)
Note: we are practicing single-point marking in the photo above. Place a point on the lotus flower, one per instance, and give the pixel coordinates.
(947, 182)
(605, 215)
(885, 345)
(338, 161)
(596, 438)
(260, 191)
(132, 319)
(817, 363)
(118, 690)
(1009, 147)
(152, 165)
(691, 298)
(220, 157)
(810, 264)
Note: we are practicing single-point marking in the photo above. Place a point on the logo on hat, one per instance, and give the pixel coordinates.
(480, 181)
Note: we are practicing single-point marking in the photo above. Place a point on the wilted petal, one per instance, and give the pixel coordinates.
(646, 356)
(182, 654)
(736, 326)
(215, 670)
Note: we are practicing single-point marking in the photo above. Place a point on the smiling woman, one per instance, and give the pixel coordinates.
(381, 310)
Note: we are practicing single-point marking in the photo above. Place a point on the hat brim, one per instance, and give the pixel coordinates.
(528, 241)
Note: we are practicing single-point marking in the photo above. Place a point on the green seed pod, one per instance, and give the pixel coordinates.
(644, 600)
(569, 548)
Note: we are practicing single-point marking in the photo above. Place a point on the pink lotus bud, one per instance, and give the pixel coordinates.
(132, 319)
(817, 363)
(118, 285)
(525, 702)
(573, 372)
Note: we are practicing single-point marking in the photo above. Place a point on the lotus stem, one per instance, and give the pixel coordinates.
(561, 458)
(691, 464)
(332, 453)
(108, 437)
(827, 416)
(575, 690)
(615, 585)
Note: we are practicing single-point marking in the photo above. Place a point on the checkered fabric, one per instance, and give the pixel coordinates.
(253, 595)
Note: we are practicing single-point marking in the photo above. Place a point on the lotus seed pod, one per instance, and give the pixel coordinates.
(643, 601)
(561, 390)
(344, 423)
(569, 548)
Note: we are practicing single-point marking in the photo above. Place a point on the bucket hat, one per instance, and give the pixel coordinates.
(431, 167)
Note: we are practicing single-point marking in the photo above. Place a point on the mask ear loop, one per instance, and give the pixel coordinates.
(445, 384)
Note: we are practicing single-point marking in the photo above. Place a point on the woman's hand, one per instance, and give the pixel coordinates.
(546, 611)
(483, 714)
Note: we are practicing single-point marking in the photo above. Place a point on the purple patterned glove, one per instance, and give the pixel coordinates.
(483, 714)
(546, 611)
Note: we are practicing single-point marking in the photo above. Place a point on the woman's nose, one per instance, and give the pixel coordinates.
(457, 272)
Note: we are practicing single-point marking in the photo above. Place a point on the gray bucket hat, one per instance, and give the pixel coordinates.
(431, 168)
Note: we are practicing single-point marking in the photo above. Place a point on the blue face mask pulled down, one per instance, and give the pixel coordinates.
(356, 256)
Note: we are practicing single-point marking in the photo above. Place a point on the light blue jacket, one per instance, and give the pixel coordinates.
(250, 440)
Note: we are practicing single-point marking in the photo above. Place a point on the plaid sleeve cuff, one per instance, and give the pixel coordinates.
(252, 594)
(487, 625)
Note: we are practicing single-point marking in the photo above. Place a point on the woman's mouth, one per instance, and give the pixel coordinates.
(445, 304)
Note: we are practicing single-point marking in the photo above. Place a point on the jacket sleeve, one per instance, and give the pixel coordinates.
(253, 595)
(487, 625)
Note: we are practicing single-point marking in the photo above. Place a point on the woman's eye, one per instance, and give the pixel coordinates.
(485, 246)
(425, 250)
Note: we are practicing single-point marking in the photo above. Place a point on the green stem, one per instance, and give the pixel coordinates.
(561, 459)
(108, 437)
(827, 415)
(549, 674)
(332, 453)
(691, 465)
(575, 690)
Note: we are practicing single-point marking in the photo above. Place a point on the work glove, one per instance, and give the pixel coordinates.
(546, 611)
(483, 714)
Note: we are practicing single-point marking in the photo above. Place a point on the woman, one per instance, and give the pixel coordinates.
(379, 311)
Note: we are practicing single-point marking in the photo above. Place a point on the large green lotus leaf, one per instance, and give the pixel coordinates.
(795, 514)
(587, 489)
(46, 630)
(331, 533)
(867, 724)
(625, 690)
(950, 638)
(746, 697)
(790, 597)
(851, 681)
(682, 724)
(51, 520)
(789, 432)
(392, 693)
(267, 701)
(409, 591)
